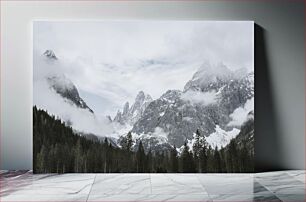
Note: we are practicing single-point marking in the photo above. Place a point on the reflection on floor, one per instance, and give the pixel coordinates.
(271, 186)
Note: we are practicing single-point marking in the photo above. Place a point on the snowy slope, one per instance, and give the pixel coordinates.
(221, 138)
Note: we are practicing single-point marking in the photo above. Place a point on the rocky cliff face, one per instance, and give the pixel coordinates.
(131, 115)
(206, 103)
(64, 87)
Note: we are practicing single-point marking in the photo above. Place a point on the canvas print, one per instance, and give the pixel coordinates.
(143, 96)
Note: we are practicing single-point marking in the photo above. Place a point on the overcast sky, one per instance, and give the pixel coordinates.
(111, 61)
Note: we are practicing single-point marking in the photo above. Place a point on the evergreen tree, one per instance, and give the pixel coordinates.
(232, 156)
(127, 142)
(78, 157)
(105, 156)
(187, 160)
(198, 149)
(150, 164)
(217, 160)
(203, 156)
(41, 160)
(140, 155)
(210, 160)
(223, 160)
(245, 159)
(174, 160)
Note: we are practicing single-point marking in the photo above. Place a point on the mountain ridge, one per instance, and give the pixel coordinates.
(209, 102)
(130, 115)
(180, 113)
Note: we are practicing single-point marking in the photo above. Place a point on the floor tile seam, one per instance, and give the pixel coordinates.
(283, 186)
(274, 194)
(91, 187)
(208, 194)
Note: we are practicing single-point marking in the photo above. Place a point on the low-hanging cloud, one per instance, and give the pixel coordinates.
(240, 115)
(198, 97)
(81, 119)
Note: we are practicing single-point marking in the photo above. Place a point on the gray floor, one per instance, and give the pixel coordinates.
(272, 186)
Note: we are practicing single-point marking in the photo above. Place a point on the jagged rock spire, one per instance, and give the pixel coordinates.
(50, 54)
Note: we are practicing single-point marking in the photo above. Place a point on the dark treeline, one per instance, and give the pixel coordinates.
(57, 149)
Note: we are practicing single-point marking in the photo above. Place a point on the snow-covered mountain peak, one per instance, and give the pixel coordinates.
(126, 108)
(208, 74)
(211, 71)
(142, 97)
(50, 54)
(131, 114)
(140, 100)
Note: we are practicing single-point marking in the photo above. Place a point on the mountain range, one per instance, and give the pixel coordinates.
(216, 101)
